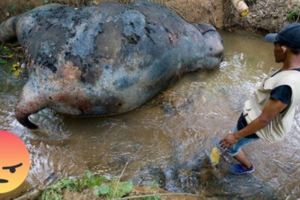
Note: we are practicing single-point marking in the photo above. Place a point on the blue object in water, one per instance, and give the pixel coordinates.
(238, 169)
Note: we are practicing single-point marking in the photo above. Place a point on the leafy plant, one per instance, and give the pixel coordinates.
(89, 180)
(5, 52)
(9, 57)
(293, 15)
(12, 9)
(114, 189)
(55, 191)
(102, 186)
(3, 62)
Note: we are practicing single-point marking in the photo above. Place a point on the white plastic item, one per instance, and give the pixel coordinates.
(241, 7)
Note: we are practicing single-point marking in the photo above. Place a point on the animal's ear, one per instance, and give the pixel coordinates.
(283, 48)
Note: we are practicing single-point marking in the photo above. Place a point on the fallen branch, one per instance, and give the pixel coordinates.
(158, 194)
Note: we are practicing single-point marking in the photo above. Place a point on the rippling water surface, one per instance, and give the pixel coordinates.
(172, 128)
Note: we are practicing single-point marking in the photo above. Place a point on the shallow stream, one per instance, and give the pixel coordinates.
(175, 127)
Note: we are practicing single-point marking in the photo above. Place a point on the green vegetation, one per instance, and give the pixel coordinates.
(11, 56)
(114, 189)
(5, 54)
(104, 187)
(293, 16)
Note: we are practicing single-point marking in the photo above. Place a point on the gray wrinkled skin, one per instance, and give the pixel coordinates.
(107, 59)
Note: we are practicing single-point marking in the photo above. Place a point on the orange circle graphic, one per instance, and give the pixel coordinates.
(14, 162)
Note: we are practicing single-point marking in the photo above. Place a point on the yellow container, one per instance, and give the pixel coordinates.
(215, 156)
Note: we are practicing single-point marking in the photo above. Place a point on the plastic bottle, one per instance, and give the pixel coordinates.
(241, 7)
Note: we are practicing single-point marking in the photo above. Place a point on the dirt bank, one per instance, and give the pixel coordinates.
(192, 10)
(265, 15)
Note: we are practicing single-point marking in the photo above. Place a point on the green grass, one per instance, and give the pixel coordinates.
(108, 188)
(10, 57)
(293, 15)
(5, 52)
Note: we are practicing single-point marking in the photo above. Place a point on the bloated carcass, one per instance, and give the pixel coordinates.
(106, 59)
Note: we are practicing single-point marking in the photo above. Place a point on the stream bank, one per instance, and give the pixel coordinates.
(265, 15)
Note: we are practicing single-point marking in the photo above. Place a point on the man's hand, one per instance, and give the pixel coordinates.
(271, 110)
(228, 141)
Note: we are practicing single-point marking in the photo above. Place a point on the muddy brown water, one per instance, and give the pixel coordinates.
(175, 125)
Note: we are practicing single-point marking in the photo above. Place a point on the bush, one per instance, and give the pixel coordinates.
(293, 16)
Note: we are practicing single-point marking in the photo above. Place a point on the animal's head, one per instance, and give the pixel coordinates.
(213, 46)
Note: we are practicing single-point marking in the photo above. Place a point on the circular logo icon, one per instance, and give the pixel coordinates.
(14, 162)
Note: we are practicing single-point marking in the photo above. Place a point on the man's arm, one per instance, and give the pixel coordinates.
(271, 110)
